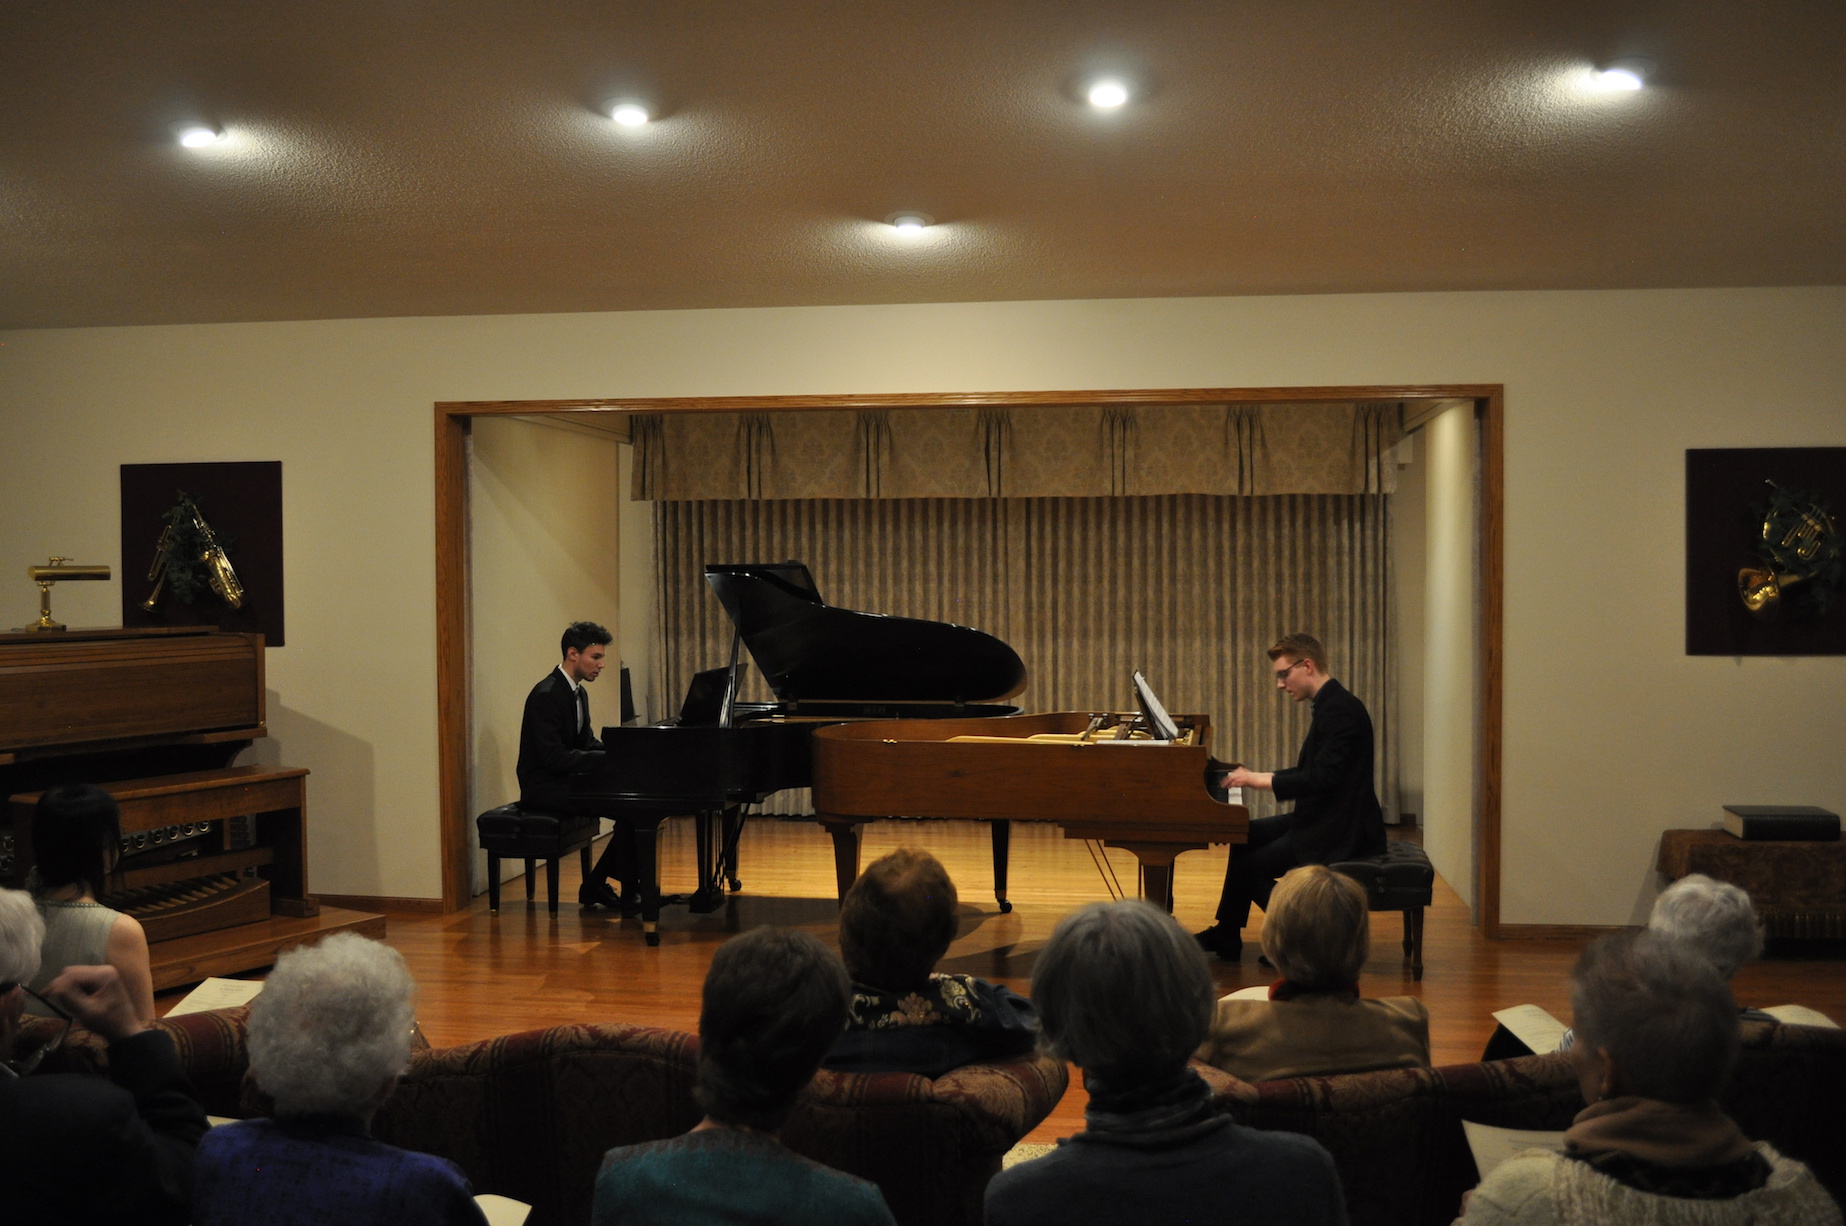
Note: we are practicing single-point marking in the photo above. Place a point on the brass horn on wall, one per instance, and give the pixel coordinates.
(186, 541)
(1799, 542)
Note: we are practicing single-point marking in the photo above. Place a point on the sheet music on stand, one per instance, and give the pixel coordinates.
(1158, 720)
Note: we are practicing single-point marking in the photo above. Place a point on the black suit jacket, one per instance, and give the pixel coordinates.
(81, 1147)
(1336, 814)
(551, 746)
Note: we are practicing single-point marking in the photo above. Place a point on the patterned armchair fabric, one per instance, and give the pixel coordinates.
(1396, 1135)
(530, 1116)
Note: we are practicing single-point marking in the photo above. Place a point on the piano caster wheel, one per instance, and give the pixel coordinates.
(652, 938)
(1006, 908)
(736, 885)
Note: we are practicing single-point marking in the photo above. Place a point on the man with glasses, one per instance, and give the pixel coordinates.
(1336, 814)
(82, 1147)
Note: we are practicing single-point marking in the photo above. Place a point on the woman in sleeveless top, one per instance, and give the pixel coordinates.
(76, 841)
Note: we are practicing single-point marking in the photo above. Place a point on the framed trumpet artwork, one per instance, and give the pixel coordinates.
(202, 545)
(1765, 555)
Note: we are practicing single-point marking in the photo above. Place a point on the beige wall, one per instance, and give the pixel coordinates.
(544, 551)
(1408, 548)
(1450, 646)
(1612, 733)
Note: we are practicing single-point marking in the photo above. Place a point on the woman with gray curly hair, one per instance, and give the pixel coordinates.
(1124, 993)
(328, 1038)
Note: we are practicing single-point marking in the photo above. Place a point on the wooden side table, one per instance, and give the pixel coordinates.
(1799, 889)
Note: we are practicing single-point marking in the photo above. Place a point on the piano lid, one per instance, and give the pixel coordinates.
(810, 651)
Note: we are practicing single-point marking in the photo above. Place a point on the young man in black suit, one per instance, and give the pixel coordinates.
(557, 740)
(1336, 814)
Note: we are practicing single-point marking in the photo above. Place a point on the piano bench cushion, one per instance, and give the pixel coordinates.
(512, 831)
(1399, 880)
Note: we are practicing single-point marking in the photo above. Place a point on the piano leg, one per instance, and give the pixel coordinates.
(1003, 841)
(1156, 867)
(845, 852)
(647, 868)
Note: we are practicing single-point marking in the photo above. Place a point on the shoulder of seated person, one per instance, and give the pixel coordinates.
(1518, 1187)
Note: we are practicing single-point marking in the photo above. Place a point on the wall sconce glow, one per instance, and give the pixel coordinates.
(910, 225)
(1617, 79)
(629, 115)
(1107, 95)
(198, 136)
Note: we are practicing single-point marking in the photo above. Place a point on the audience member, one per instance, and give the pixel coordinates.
(83, 1148)
(328, 1038)
(76, 841)
(896, 922)
(1317, 933)
(1124, 993)
(1656, 1040)
(1716, 920)
(774, 1001)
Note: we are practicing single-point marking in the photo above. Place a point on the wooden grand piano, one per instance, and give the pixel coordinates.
(1104, 776)
(214, 861)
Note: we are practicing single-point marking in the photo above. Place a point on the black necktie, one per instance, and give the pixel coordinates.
(583, 709)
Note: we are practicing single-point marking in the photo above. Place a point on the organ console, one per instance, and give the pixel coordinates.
(214, 861)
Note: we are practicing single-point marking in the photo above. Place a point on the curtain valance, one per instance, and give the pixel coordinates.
(1080, 451)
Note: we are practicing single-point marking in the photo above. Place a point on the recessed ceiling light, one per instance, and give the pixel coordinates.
(198, 136)
(1107, 95)
(629, 114)
(910, 224)
(1618, 79)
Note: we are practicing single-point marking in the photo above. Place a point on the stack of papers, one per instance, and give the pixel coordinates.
(1532, 1026)
(217, 994)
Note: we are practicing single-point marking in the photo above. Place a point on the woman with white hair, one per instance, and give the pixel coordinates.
(1124, 993)
(1715, 920)
(1656, 1041)
(329, 1036)
(81, 1148)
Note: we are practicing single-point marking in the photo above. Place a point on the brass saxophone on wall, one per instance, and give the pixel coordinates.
(218, 569)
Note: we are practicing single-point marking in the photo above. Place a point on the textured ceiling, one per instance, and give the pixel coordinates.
(413, 157)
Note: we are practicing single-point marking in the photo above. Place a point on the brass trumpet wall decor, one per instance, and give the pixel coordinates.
(56, 572)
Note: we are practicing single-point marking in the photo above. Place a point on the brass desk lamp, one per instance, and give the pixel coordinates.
(45, 576)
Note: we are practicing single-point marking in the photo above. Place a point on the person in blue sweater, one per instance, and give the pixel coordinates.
(773, 1003)
(1124, 993)
(329, 1037)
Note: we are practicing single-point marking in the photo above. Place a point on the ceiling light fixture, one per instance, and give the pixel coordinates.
(1622, 76)
(910, 224)
(629, 114)
(1107, 95)
(198, 136)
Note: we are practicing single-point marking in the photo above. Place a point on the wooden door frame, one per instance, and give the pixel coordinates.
(454, 420)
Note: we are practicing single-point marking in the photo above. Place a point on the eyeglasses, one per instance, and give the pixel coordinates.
(1282, 673)
(26, 1064)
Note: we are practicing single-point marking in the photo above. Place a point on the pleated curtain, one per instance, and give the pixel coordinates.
(1189, 588)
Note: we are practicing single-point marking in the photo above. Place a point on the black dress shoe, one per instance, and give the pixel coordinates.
(600, 894)
(1227, 943)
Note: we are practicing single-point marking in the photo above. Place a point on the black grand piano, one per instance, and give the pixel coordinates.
(825, 665)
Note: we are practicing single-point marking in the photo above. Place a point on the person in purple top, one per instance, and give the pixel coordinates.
(329, 1037)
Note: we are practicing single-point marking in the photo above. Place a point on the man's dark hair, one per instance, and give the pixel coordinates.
(580, 635)
(775, 1000)
(76, 837)
(1660, 1010)
(897, 920)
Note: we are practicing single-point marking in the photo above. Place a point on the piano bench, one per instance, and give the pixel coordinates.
(523, 835)
(1402, 879)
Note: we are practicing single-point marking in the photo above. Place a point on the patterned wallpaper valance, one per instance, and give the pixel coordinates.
(1072, 452)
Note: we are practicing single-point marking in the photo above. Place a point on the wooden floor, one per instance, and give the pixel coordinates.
(482, 975)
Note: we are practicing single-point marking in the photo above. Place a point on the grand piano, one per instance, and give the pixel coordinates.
(1143, 781)
(825, 665)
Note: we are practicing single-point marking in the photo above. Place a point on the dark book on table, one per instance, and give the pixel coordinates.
(1787, 823)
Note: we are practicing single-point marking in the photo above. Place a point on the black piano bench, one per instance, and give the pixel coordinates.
(1402, 879)
(524, 835)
